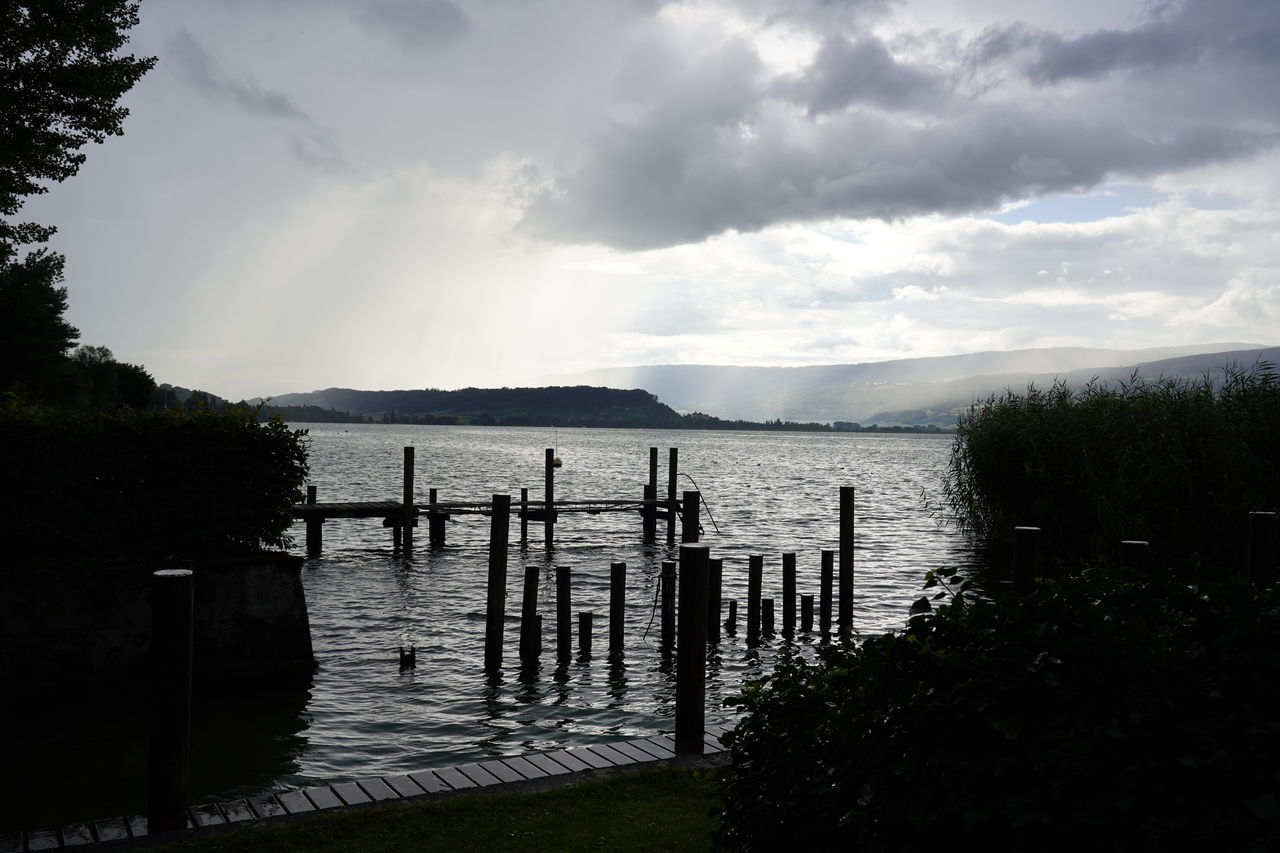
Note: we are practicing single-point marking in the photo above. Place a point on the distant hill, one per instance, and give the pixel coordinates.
(906, 391)
(553, 406)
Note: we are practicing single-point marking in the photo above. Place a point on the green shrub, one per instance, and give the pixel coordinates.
(146, 485)
(1098, 713)
(1179, 463)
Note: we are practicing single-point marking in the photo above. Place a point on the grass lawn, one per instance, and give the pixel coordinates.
(671, 809)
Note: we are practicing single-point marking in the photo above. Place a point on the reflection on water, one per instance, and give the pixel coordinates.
(364, 716)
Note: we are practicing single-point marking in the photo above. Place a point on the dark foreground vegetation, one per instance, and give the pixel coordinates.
(1109, 709)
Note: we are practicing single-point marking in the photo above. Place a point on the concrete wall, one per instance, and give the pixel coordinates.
(83, 623)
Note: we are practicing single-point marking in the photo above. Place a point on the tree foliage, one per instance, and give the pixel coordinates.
(61, 77)
(34, 336)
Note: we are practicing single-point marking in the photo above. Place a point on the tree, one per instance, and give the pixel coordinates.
(34, 336)
(61, 77)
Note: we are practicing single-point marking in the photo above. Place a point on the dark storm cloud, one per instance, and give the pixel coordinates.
(861, 133)
(415, 23)
(198, 69)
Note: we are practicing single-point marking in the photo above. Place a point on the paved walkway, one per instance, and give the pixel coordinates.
(528, 772)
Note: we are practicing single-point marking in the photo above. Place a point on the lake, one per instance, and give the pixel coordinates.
(766, 492)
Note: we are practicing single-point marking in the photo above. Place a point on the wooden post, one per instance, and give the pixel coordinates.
(1136, 554)
(170, 740)
(584, 634)
(824, 591)
(653, 468)
(530, 632)
(549, 496)
(846, 559)
(715, 583)
(766, 617)
(524, 518)
(691, 651)
(673, 456)
(410, 511)
(667, 581)
(617, 606)
(435, 521)
(564, 615)
(650, 515)
(731, 624)
(1261, 556)
(689, 517)
(1026, 558)
(495, 610)
(789, 595)
(315, 527)
(806, 614)
(755, 576)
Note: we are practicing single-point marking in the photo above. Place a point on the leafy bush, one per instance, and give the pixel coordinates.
(1179, 463)
(1098, 713)
(146, 485)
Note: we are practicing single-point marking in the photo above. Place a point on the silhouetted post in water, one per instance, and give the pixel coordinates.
(653, 468)
(691, 651)
(755, 577)
(617, 606)
(650, 516)
(1261, 557)
(846, 559)
(789, 595)
(715, 582)
(524, 518)
(689, 517)
(673, 457)
(806, 614)
(766, 617)
(435, 521)
(1026, 558)
(667, 580)
(1136, 554)
(564, 614)
(731, 624)
(549, 495)
(584, 634)
(168, 765)
(410, 511)
(530, 631)
(824, 591)
(495, 611)
(315, 535)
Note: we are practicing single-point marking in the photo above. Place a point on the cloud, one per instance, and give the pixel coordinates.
(415, 23)
(197, 67)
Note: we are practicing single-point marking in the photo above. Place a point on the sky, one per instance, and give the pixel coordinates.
(388, 194)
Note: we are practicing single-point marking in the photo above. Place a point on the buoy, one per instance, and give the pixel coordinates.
(409, 659)
(556, 463)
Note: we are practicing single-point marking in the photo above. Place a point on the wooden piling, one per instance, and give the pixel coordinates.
(524, 518)
(649, 515)
(689, 506)
(715, 583)
(824, 591)
(584, 634)
(435, 521)
(315, 527)
(495, 610)
(1260, 557)
(691, 651)
(1136, 554)
(667, 582)
(1026, 558)
(673, 457)
(789, 595)
(549, 496)
(410, 510)
(170, 738)
(766, 617)
(564, 613)
(806, 614)
(755, 577)
(846, 559)
(617, 606)
(731, 624)
(530, 632)
(653, 468)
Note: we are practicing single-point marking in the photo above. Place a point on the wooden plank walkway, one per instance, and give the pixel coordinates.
(395, 509)
(564, 764)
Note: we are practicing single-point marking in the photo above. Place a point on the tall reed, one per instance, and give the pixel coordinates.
(1174, 461)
